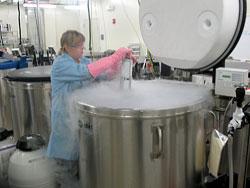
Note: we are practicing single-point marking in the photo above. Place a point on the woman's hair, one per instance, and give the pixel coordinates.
(71, 38)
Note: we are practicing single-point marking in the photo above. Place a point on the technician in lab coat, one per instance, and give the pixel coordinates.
(71, 71)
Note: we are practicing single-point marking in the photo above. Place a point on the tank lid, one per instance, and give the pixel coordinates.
(30, 142)
(192, 35)
(4, 133)
(34, 74)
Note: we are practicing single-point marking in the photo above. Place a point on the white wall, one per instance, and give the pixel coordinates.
(248, 7)
(122, 33)
(58, 21)
(126, 29)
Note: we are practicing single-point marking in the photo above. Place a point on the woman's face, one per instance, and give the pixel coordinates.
(76, 52)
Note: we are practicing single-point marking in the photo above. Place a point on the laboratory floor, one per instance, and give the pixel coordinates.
(223, 182)
(4, 184)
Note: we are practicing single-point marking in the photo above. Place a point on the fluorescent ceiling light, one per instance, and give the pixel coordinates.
(72, 7)
(32, 5)
(16, 1)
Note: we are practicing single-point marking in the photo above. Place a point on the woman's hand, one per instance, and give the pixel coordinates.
(126, 53)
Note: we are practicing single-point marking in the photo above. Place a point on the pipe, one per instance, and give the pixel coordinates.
(37, 19)
(230, 160)
(90, 31)
(1, 36)
(19, 25)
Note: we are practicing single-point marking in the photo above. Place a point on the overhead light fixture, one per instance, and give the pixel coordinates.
(32, 5)
(16, 1)
(72, 7)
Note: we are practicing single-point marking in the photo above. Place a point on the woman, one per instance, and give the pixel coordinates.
(71, 71)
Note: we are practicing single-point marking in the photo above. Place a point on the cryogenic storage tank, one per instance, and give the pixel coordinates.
(30, 101)
(5, 111)
(28, 166)
(149, 136)
(7, 65)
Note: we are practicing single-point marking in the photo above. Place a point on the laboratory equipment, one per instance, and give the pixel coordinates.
(151, 135)
(237, 64)
(5, 111)
(228, 79)
(29, 91)
(7, 65)
(131, 146)
(28, 166)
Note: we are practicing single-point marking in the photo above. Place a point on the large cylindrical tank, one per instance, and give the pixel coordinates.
(7, 65)
(5, 111)
(30, 100)
(151, 136)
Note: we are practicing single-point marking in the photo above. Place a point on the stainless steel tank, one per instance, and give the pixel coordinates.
(151, 136)
(5, 111)
(30, 100)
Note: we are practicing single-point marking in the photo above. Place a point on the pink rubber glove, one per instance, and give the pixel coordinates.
(103, 64)
(113, 71)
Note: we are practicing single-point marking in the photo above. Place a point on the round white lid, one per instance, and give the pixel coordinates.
(191, 34)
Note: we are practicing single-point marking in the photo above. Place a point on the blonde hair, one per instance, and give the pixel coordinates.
(71, 38)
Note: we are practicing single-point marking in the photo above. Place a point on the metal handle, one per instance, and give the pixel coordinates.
(215, 121)
(156, 142)
(84, 124)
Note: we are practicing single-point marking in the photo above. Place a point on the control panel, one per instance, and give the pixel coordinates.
(228, 79)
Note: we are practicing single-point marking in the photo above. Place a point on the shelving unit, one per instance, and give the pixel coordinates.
(9, 37)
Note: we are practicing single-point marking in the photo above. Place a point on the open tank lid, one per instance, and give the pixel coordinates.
(30, 142)
(194, 34)
(34, 74)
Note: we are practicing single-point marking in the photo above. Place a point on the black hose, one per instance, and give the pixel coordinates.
(90, 34)
(37, 21)
(230, 161)
(19, 24)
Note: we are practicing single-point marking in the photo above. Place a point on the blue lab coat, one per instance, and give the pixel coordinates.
(66, 76)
